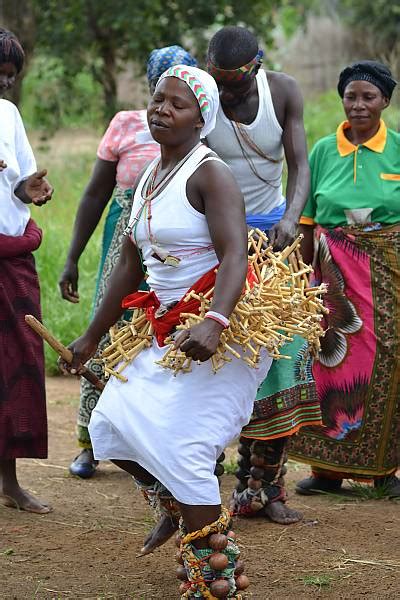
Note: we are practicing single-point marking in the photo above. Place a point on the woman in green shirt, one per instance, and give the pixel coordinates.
(351, 224)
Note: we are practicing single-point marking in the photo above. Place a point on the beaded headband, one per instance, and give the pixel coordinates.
(194, 84)
(238, 74)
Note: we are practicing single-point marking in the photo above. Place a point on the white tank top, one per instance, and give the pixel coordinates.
(266, 132)
(176, 227)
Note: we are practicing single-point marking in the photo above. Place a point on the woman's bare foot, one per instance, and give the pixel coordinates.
(161, 533)
(279, 512)
(23, 500)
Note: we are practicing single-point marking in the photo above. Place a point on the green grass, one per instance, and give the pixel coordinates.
(51, 100)
(319, 581)
(357, 493)
(230, 466)
(369, 492)
(65, 320)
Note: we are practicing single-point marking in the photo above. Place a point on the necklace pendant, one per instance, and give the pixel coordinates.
(172, 261)
(159, 252)
(162, 255)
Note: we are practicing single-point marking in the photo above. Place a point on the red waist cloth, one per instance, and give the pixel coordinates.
(13, 246)
(23, 424)
(164, 325)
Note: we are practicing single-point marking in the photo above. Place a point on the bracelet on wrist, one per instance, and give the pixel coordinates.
(216, 316)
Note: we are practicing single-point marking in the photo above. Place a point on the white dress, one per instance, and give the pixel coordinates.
(175, 427)
(16, 152)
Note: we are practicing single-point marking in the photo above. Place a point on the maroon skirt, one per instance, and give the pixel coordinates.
(23, 421)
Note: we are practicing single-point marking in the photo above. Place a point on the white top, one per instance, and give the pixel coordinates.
(176, 427)
(177, 228)
(17, 153)
(266, 132)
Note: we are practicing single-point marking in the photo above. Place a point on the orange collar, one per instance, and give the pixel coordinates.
(376, 143)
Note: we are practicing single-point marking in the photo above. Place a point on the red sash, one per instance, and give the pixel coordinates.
(164, 324)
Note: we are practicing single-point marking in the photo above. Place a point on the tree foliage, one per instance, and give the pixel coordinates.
(379, 18)
(377, 22)
(101, 36)
(19, 18)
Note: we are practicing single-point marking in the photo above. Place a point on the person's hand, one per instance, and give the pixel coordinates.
(256, 238)
(68, 282)
(82, 349)
(283, 233)
(200, 341)
(3, 165)
(37, 188)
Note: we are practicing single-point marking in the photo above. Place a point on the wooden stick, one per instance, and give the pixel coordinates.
(62, 350)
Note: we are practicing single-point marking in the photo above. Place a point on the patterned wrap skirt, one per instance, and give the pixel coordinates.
(357, 374)
(287, 399)
(23, 421)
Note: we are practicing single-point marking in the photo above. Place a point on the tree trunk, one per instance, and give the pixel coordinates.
(106, 75)
(109, 83)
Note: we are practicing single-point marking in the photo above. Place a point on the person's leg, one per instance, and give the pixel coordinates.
(197, 517)
(134, 469)
(198, 523)
(261, 484)
(209, 554)
(169, 512)
(84, 465)
(13, 495)
(159, 499)
(320, 481)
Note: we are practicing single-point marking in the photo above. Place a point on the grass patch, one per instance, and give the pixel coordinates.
(230, 466)
(65, 320)
(67, 401)
(319, 581)
(293, 465)
(357, 492)
(369, 492)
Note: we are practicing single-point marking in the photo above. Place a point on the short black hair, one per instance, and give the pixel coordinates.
(11, 50)
(232, 47)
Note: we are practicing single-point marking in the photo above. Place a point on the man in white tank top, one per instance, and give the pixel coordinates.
(260, 122)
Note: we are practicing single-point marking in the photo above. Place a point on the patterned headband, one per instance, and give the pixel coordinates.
(238, 74)
(193, 82)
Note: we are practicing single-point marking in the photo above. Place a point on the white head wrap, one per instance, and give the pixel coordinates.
(204, 89)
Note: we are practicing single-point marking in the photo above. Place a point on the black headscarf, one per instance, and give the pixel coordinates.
(368, 70)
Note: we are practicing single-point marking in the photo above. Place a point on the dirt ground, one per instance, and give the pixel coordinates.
(86, 549)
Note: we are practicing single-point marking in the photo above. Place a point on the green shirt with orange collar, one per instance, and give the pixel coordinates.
(354, 184)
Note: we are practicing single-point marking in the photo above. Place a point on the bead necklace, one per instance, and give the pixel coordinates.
(244, 139)
(149, 191)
